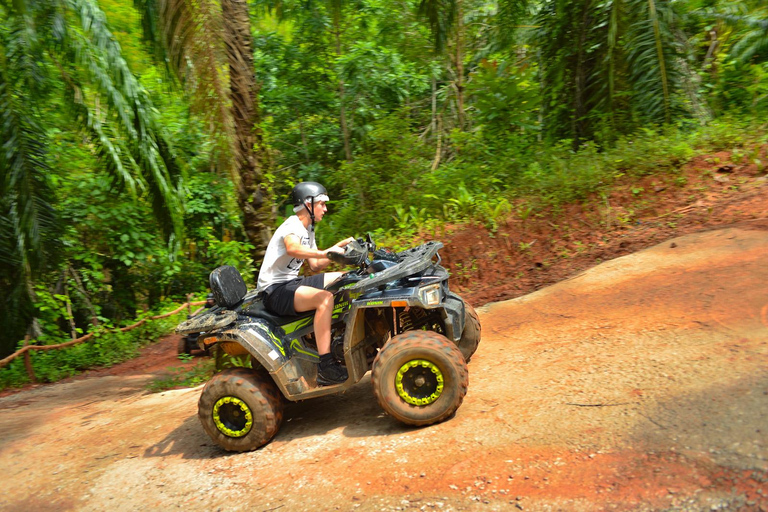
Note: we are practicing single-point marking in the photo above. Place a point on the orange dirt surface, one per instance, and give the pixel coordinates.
(638, 382)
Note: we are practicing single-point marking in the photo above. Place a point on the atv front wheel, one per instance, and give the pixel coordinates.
(240, 409)
(470, 338)
(420, 377)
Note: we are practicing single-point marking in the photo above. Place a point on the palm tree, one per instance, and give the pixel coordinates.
(602, 61)
(750, 19)
(45, 43)
(199, 37)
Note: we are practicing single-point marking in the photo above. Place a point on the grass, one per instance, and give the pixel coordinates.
(184, 377)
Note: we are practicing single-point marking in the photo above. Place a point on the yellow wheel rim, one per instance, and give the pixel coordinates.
(232, 416)
(419, 382)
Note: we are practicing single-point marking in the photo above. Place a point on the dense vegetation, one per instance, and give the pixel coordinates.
(144, 144)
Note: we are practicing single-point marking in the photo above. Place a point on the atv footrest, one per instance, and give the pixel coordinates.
(297, 386)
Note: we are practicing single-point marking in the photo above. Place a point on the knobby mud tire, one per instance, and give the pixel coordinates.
(181, 348)
(256, 393)
(470, 338)
(438, 352)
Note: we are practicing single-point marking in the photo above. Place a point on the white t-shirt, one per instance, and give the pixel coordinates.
(278, 266)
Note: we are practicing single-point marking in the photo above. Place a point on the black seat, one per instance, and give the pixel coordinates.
(227, 286)
(256, 309)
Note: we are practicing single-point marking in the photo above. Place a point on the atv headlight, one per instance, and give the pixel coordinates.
(430, 295)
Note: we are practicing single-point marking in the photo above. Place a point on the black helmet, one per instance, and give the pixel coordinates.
(307, 190)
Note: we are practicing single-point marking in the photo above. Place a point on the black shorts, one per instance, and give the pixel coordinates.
(279, 297)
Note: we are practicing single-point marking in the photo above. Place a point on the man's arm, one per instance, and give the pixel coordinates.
(316, 258)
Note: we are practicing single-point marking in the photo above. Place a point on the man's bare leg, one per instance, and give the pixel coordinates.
(307, 299)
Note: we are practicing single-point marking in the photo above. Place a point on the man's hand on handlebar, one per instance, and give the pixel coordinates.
(335, 250)
(348, 252)
(343, 243)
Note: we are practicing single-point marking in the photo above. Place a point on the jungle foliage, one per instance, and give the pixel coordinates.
(139, 150)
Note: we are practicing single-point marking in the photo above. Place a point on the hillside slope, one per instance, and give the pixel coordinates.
(523, 255)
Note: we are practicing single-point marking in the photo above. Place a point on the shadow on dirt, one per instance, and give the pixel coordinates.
(356, 413)
(724, 424)
(188, 440)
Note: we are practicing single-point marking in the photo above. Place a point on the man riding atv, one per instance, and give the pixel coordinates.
(284, 292)
(394, 316)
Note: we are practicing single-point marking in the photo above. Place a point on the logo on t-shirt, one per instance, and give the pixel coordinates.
(295, 264)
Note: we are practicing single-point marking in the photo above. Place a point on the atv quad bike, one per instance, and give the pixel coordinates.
(394, 315)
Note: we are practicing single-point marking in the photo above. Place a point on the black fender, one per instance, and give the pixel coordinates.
(453, 310)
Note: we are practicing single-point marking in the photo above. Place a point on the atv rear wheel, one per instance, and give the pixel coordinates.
(181, 347)
(420, 377)
(240, 409)
(470, 338)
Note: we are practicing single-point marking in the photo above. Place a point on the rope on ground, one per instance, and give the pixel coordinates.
(88, 336)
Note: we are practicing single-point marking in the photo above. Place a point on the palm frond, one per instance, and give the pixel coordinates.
(441, 17)
(94, 48)
(608, 83)
(652, 54)
(563, 62)
(189, 34)
(752, 45)
(24, 171)
(614, 30)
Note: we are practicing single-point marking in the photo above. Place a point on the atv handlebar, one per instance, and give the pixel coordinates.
(355, 253)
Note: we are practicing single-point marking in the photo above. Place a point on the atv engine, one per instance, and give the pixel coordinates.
(337, 345)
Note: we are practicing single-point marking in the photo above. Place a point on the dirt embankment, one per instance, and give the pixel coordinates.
(529, 251)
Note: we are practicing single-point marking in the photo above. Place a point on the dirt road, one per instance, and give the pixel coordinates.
(641, 384)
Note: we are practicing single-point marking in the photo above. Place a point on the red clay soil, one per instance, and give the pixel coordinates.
(640, 384)
(549, 246)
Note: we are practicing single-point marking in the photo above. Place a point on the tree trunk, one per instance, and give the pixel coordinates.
(250, 156)
(84, 294)
(580, 81)
(304, 144)
(714, 46)
(660, 53)
(343, 112)
(434, 104)
(460, 62)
